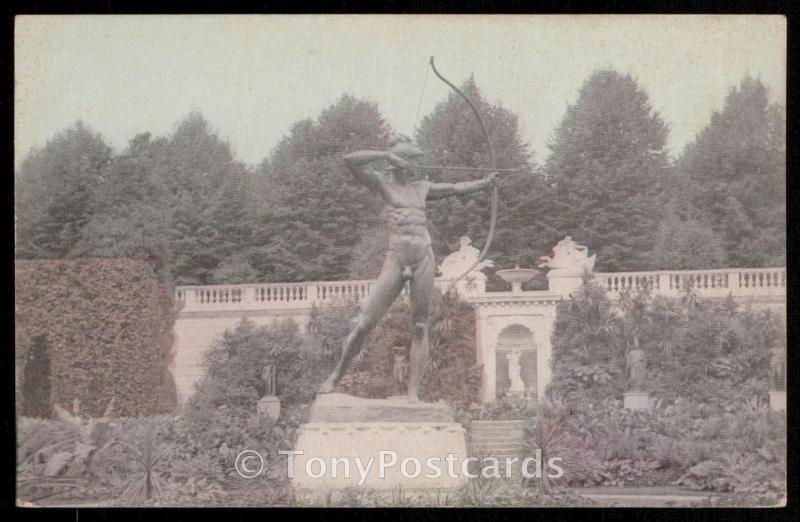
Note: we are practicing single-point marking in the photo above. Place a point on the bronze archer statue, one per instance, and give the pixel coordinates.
(410, 256)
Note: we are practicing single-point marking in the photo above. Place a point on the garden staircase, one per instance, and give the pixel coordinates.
(495, 438)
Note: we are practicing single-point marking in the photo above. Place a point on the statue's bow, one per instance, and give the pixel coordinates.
(493, 219)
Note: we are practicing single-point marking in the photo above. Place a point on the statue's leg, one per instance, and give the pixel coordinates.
(387, 287)
(421, 293)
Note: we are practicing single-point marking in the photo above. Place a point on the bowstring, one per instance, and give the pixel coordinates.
(421, 97)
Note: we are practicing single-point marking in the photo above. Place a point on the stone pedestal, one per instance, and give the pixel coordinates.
(777, 400)
(269, 405)
(636, 400)
(356, 430)
(564, 281)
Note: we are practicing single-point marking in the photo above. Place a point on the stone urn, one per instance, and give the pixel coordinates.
(517, 276)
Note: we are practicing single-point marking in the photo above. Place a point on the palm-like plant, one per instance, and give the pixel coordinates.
(477, 492)
(667, 316)
(767, 327)
(146, 450)
(82, 440)
(690, 296)
(549, 430)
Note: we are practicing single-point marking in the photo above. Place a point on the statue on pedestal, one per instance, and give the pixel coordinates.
(466, 258)
(400, 364)
(268, 377)
(636, 364)
(515, 372)
(410, 257)
(568, 254)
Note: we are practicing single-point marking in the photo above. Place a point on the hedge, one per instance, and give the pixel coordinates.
(107, 324)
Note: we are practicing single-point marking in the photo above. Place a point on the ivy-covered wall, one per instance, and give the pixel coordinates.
(106, 324)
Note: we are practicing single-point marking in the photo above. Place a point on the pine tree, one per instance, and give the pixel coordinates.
(209, 207)
(607, 167)
(367, 256)
(183, 199)
(312, 210)
(57, 190)
(451, 136)
(736, 168)
(133, 215)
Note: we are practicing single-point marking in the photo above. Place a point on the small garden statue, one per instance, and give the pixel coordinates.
(636, 364)
(400, 365)
(268, 377)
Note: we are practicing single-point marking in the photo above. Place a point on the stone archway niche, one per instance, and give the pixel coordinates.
(516, 362)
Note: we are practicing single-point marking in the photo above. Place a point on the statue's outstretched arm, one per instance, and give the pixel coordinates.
(443, 190)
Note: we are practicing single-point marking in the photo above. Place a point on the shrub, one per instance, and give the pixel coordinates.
(707, 372)
(452, 373)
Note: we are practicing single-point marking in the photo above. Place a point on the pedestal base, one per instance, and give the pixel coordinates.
(777, 400)
(269, 405)
(564, 281)
(385, 443)
(636, 400)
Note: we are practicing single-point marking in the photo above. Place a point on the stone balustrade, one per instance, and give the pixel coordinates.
(739, 282)
(271, 295)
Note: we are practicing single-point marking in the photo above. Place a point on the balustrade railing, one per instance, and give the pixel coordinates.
(710, 283)
(271, 295)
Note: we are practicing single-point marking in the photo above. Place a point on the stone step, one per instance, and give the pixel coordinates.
(498, 422)
(491, 450)
(497, 435)
(491, 442)
(500, 456)
(498, 439)
(493, 427)
(497, 443)
(494, 431)
(505, 443)
(518, 436)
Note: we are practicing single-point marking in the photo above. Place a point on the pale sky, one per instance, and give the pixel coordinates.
(252, 77)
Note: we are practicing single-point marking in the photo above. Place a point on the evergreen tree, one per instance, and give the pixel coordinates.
(193, 243)
(232, 217)
(736, 169)
(134, 213)
(607, 168)
(368, 254)
(183, 199)
(56, 191)
(450, 136)
(686, 244)
(313, 211)
(197, 162)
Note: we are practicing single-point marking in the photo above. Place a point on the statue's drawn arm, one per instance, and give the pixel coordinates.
(358, 163)
(444, 190)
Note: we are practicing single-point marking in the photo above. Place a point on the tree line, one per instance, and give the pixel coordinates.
(299, 215)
